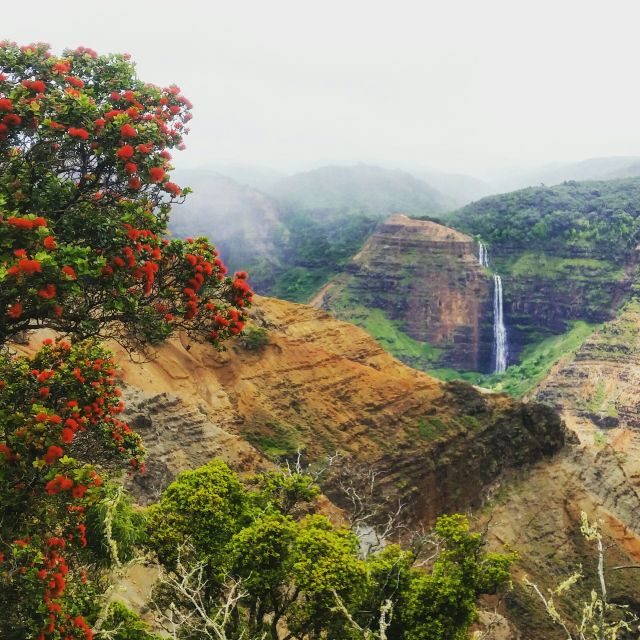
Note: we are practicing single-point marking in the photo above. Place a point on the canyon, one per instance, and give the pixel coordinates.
(321, 386)
(438, 297)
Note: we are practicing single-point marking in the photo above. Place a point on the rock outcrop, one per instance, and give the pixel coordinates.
(425, 277)
(538, 514)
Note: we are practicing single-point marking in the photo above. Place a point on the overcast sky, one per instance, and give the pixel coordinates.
(453, 85)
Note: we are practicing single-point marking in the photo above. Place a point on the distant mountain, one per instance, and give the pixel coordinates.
(460, 189)
(241, 221)
(261, 178)
(357, 189)
(287, 253)
(592, 169)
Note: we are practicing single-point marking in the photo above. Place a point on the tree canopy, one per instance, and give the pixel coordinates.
(85, 197)
(301, 576)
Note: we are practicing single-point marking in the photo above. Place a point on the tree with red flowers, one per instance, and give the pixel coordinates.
(85, 195)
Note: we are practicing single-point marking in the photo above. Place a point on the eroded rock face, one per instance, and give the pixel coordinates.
(323, 386)
(179, 436)
(426, 277)
(538, 514)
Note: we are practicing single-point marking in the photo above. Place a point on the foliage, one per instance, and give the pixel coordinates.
(312, 251)
(537, 360)
(601, 218)
(420, 355)
(290, 566)
(207, 504)
(59, 416)
(254, 338)
(335, 190)
(122, 624)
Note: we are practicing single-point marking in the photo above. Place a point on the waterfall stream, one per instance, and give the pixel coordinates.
(483, 255)
(500, 344)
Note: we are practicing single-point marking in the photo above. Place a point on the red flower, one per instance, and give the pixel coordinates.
(12, 119)
(172, 188)
(130, 167)
(59, 483)
(127, 131)
(156, 174)
(69, 271)
(5, 451)
(83, 134)
(50, 243)
(144, 148)
(100, 122)
(125, 152)
(78, 491)
(75, 82)
(134, 183)
(53, 453)
(48, 292)
(6, 104)
(29, 266)
(34, 85)
(62, 67)
(66, 435)
(113, 113)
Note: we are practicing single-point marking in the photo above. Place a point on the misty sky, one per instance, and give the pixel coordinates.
(449, 85)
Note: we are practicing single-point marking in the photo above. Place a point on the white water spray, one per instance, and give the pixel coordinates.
(483, 255)
(500, 344)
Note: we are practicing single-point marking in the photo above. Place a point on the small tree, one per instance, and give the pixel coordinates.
(84, 202)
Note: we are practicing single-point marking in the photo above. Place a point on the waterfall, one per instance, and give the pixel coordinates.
(483, 255)
(500, 344)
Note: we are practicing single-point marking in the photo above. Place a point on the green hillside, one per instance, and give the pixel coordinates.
(361, 188)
